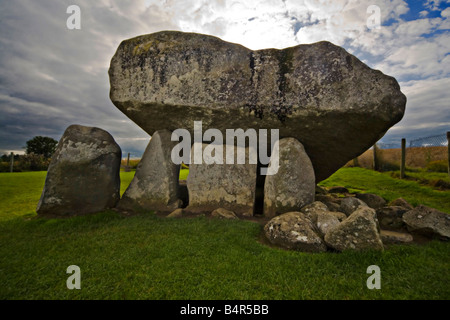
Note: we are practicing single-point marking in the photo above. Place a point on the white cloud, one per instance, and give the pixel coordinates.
(445, 13)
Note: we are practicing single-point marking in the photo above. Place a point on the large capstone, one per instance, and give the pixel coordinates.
(293, 186)
(155, 184)
(83, 176)
(214, 185)
(326, 98)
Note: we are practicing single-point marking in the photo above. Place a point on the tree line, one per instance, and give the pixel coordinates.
(37, 157)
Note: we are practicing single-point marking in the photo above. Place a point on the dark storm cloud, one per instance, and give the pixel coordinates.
(51, 77)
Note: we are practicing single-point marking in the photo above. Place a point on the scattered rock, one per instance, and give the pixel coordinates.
(83, 176)
(292, 187)
(350, 205)
(320, 190)
(428, 221)
(393, 237)
(293, 230)
(331, 202)
(372, 200)
(229, 186)
(339, 215)
(313, 209)
(222, 213)
(177, 213)
(155, 184)
(326, 221)
(358, 232)
(338, 190)
(169, 79)
(390, 218)
(400, 202)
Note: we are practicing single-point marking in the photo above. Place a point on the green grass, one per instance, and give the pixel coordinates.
(382, 184)
(149, 257)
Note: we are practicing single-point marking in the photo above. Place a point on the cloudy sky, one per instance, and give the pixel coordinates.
(52, 76)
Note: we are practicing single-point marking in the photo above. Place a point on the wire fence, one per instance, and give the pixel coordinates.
(429, 153)
(432, 141)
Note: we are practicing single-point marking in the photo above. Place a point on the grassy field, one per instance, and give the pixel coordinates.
(364, 180)
(149, 257)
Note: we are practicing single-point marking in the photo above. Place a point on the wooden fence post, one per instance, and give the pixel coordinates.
(402, 165)
(127, 168)
(11, 166)
(448, 151)
(375, 158)
(355, 162)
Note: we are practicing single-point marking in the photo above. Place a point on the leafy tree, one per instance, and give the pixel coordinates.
(45, 146)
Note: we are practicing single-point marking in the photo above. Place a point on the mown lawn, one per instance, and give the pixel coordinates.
(149, 257)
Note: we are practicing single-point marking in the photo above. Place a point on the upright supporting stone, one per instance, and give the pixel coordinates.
(228, 186)
(293, 186)
(155, 184)
(83, 176)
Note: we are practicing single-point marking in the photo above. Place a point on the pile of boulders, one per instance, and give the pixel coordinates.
(341, 221)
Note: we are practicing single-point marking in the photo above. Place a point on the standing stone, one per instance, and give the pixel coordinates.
(293, 230)
(83, 176)
(228, 186)
(358, 232)
(155, 184)
(428, 221)
(293, 186)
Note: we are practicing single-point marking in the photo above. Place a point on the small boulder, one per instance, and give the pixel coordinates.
(358, 232)
(326, 221)
(338, 190)
(83, 176)
(372, 200)
(222, 213)
(390, 218)
(320, 190)
(313, 209)
(177, 213)
(339, 215)
(293, 230)
(350, 205)
(428, 221)
(333, 203)
(400, 202)
(393, 237)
